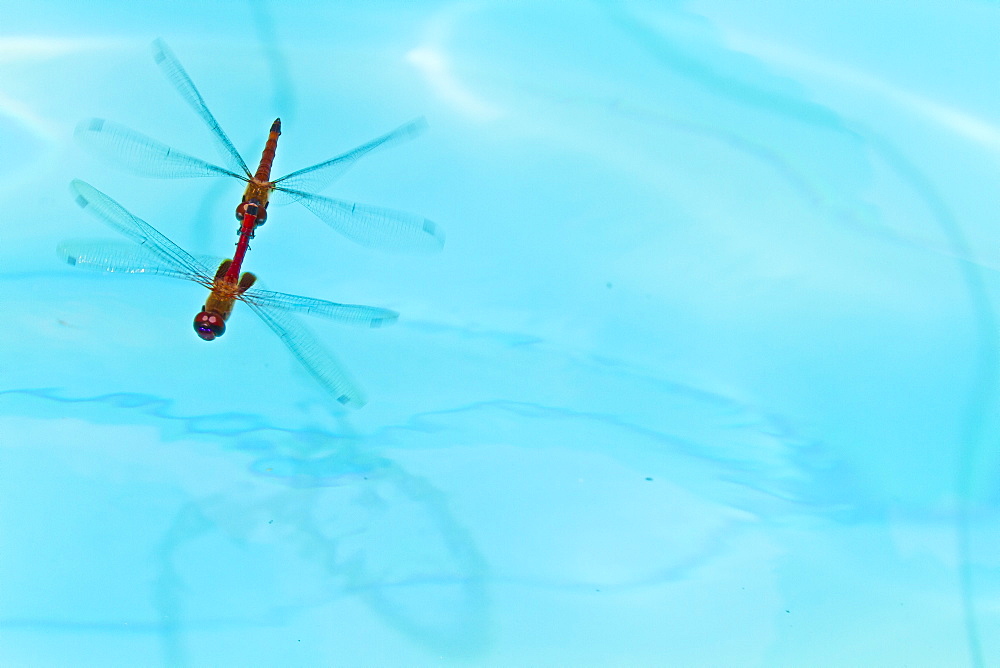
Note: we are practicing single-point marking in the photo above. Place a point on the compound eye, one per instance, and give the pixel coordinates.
(209, 325)
(253, 209)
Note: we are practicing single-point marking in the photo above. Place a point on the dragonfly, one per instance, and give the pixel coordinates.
(367, 225)
(153, 253)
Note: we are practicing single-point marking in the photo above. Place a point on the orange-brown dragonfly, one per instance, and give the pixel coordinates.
(371, 226)
(158, 255)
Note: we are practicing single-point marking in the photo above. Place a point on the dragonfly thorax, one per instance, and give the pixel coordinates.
(257, 192)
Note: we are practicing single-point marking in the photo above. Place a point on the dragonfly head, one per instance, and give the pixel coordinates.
(209, 324)
(254, 209)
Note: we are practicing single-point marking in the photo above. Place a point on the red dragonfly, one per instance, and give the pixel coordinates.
(371, 226)
(158, 255)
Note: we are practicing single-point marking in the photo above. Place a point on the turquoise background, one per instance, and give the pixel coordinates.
(705, 375)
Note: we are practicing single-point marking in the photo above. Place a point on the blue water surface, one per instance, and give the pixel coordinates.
(706, 373)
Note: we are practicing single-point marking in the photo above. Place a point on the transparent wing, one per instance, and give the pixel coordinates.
(172, 69)
(348, 314)
(320, 364)
(374, 226)
(122, 146)
(113, 214)
(120, 257)
(317, 177)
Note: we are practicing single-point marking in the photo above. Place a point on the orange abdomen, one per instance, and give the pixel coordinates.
(263, 174)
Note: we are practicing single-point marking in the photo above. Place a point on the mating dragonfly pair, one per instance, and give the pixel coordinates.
(370, 226)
